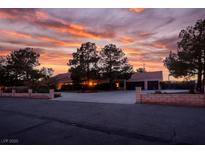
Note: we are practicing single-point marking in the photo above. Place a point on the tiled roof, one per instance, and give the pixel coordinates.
(147, 76)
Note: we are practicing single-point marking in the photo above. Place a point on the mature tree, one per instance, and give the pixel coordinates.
(141, 70)
(19, 68)
(190, 57)
(114, 64)
(40, 77)
(21, 63)
(42, 74)
(46, 72)
(83, 66)
(2, 70)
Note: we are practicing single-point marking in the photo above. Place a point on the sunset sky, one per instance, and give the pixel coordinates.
(145, 35)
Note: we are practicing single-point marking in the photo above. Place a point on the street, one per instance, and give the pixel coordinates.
(35, 121)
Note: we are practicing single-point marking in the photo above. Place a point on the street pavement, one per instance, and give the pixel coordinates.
(35, 121)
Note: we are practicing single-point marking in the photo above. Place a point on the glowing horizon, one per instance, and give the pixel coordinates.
(145, 35)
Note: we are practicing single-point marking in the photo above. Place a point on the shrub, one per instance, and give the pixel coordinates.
(105, 86)
(57, 95)
(71, 87)
(21, 89)
(157, 92)
(41, 90)
(7, 90)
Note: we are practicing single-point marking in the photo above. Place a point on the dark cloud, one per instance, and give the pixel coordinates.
(147, 35)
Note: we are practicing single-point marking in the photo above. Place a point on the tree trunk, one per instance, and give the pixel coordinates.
(200, 71)
(199, 81)
(27, 76)
(204, 72)
(203, 81)
(111, 83)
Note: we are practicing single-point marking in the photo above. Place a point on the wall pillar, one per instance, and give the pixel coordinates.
(13, 92)
(204, 90)
(145, 85)
(51, 93)
(124, 84)
(138, 94)
(29, 92)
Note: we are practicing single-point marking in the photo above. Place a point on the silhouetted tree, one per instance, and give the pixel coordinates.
(21, 63)
(83, 65)
(190, 57)
(114, 64)
(19, 68)
(2, 71)
(140, 70)
(46, 73)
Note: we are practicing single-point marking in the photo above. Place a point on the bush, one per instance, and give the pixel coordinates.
(21, 89)
(192, 91)
(105, 86)
(157, 92)
(57, 95)
(41, 90)
(7, 90)
(71, 87)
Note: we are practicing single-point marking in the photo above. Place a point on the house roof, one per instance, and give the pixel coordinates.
(137, 76)
(61, 77)
(157, 75)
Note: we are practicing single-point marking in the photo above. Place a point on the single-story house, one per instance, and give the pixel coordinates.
(146, 80)
(61, 79)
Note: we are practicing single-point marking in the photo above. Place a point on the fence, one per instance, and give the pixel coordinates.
(170, 99)
(29, 94)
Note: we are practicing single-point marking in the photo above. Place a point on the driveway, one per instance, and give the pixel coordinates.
(117, 97)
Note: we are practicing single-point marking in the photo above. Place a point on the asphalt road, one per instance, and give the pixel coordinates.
(33, 121)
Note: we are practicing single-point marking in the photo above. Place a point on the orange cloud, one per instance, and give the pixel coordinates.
(41, 14)
(76, 30)
(77, 26)
(54, 23)
(59, 42)
(54, 57)
(4, 53)
(126, 40)
(42, 38)
(56, 60)
(149, 65)
(82, 33)
(5, 15)
(144, 34)
(131, 51)
(136, 9)
(160, 45)
(15, 34)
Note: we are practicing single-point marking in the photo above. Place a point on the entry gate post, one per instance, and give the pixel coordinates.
(138, 94)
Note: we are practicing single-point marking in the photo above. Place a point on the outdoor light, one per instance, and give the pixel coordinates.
(90, 83)
(117, 85)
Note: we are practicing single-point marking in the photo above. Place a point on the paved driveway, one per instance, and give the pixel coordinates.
(118, 97)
